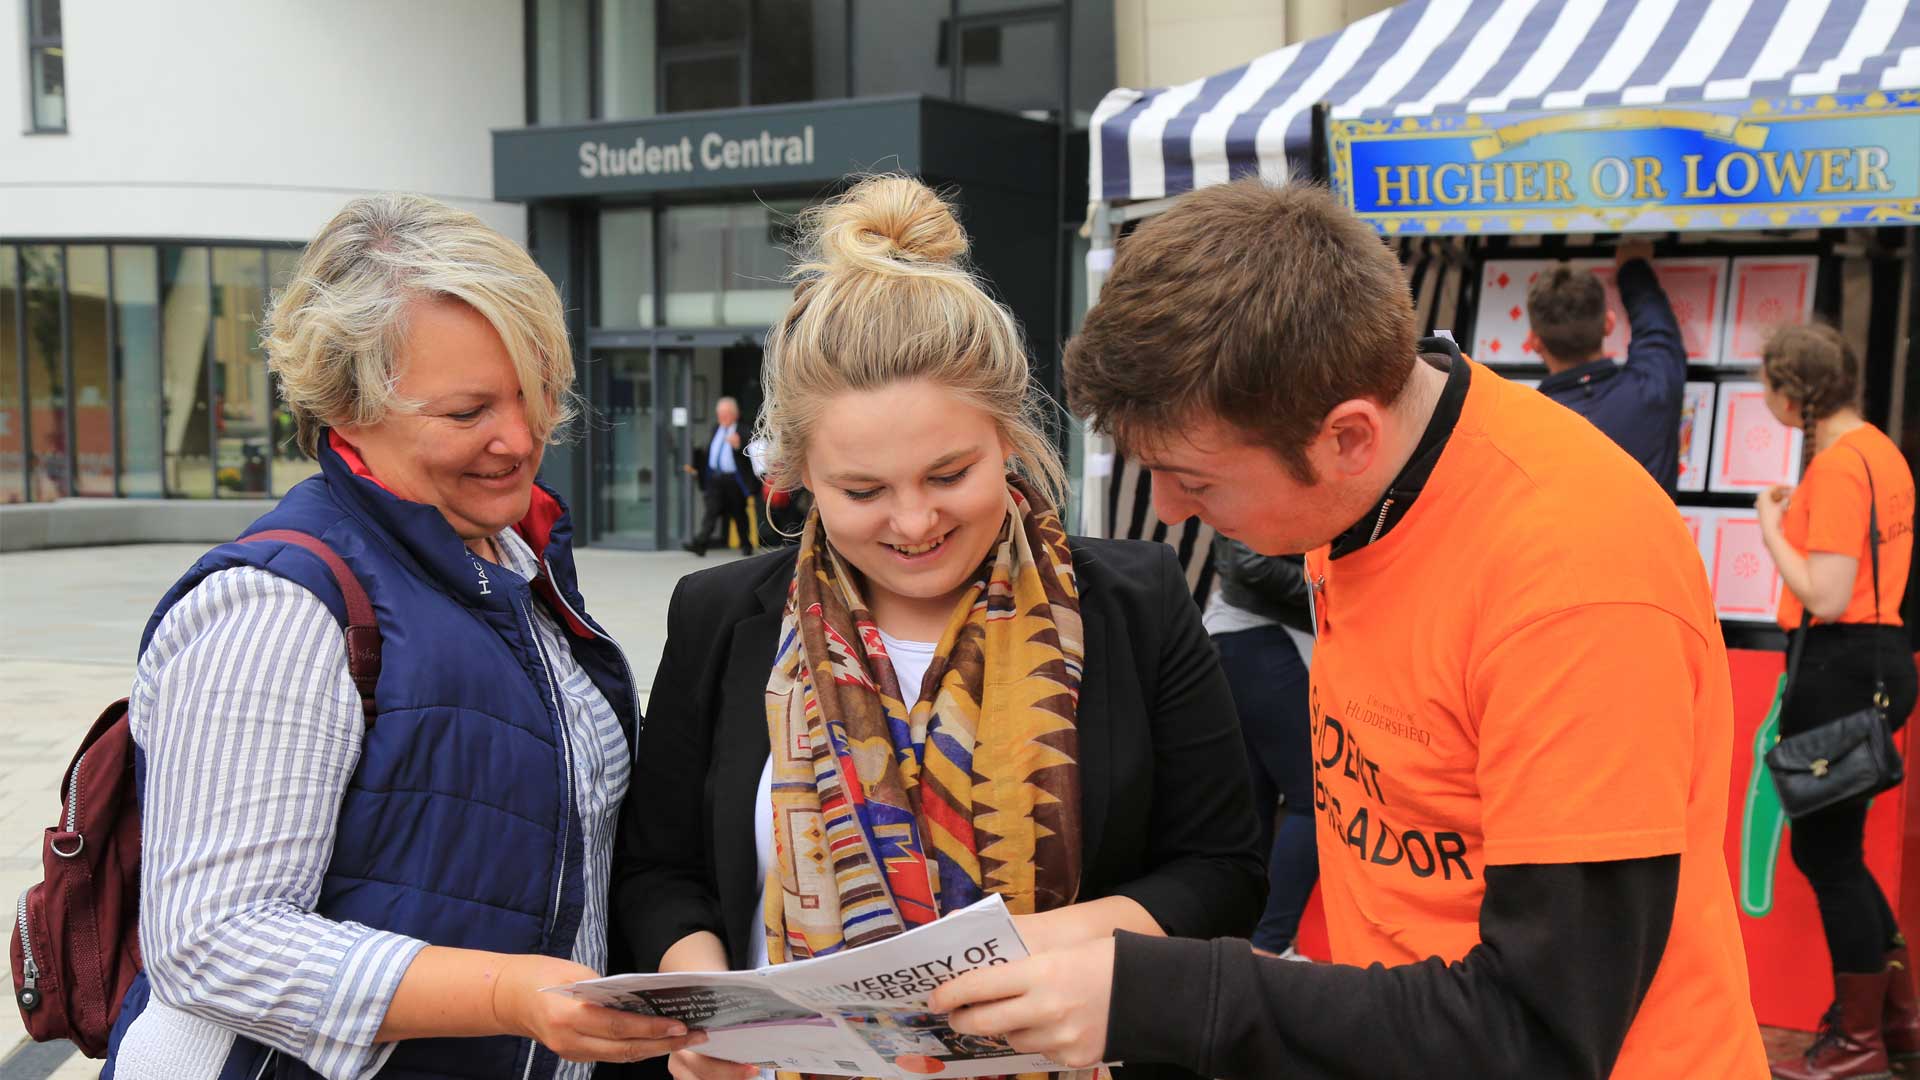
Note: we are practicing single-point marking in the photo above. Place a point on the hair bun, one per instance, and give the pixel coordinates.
(884, 221)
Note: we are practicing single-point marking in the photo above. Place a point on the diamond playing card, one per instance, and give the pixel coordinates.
(1500, 325)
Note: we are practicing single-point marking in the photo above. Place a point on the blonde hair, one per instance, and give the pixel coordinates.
(884, 295)
(334, 332)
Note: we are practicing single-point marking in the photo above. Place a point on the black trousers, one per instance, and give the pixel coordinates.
(1269, 685)
(724, 502)
(1836, 678)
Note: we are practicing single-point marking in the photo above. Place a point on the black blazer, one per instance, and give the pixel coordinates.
(1167, 817)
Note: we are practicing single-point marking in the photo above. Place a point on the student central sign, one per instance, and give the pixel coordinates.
(803, 146)
(1791, 163)
(715, 153)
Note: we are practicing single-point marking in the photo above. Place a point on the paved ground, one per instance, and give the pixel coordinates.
(70, 621)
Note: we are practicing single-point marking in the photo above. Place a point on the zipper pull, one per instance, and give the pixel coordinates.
(29, 995)
(1320, 605)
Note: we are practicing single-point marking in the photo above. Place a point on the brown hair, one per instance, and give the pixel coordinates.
(884, 295)
(1264, 306)
(1813, 367)
(1568, 310)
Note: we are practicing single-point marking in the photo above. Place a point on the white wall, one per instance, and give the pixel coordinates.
(257, 119)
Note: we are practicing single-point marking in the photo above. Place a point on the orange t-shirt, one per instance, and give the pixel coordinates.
(1828, 512)
(1527, 669)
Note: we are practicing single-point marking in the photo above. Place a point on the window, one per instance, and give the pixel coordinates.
(799, 50)
(626, 268)
(896, 49)
(48, 463)
(703, 54)
(702, 82)
(46, 65)
(1012, 65)
(186, 313)
(560, 61)
(13, 458)
(1093, 74)
(243, 402)
(290, 464)
(627, 46)
(136, 364)
(92, 397)
(726, 265)
(136, 370)
(756, 290)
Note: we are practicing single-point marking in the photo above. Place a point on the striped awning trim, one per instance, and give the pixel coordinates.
(1490, 56)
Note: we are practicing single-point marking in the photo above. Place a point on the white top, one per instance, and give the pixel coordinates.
(910, 662)
(252, 727)
(1220, 617)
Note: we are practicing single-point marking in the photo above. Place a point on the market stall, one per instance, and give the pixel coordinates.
(1771, 152)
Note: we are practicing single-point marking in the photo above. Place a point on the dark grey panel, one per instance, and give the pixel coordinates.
(736, 148)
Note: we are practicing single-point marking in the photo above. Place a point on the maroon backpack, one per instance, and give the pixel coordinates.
(76, 935)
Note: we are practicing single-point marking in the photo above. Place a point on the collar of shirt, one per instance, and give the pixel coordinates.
(1593, 371)
(1406, 487)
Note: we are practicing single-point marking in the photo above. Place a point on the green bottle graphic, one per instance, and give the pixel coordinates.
(1764, 822)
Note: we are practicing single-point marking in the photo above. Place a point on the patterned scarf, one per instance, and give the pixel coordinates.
(887, 817)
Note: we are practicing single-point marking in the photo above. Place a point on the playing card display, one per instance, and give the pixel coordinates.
(1751, 450)
(1696, 288)
(1766, 292)
(1696, 435)
(1746, 585)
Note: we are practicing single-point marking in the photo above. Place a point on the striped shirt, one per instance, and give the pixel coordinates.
(251, 727)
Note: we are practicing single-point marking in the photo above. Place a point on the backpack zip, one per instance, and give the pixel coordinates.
(73, 793)
(29, 995)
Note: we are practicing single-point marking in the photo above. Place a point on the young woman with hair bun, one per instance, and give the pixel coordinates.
(1022, 712)
(1820, 534)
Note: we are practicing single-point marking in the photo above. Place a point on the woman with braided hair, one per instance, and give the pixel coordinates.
(937, 695)
(1843, 614)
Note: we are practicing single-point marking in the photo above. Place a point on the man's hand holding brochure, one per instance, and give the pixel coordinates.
(862, 1012)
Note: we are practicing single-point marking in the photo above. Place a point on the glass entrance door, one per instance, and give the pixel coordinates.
(680, 489)
(657, 404)
(626, 469)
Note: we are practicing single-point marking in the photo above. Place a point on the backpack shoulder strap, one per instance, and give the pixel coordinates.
(363, 630)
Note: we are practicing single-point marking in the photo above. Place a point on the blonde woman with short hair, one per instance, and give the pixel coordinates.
(345, 879)
(939, 694)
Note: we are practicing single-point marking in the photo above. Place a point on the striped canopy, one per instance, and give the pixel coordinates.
(1490, 56)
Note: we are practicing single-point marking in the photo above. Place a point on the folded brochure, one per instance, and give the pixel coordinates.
(861, 1012)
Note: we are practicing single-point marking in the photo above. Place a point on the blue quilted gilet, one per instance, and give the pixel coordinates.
(459, 826)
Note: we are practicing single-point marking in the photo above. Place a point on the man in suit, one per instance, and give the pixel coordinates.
(725, 478)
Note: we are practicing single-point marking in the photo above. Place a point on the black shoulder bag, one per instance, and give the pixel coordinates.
(1852, 757)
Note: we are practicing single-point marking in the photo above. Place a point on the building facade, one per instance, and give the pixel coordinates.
(164, 166)
(652, 153)
(670, 143)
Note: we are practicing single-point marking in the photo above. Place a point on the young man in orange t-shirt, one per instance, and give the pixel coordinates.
(1521, 716)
